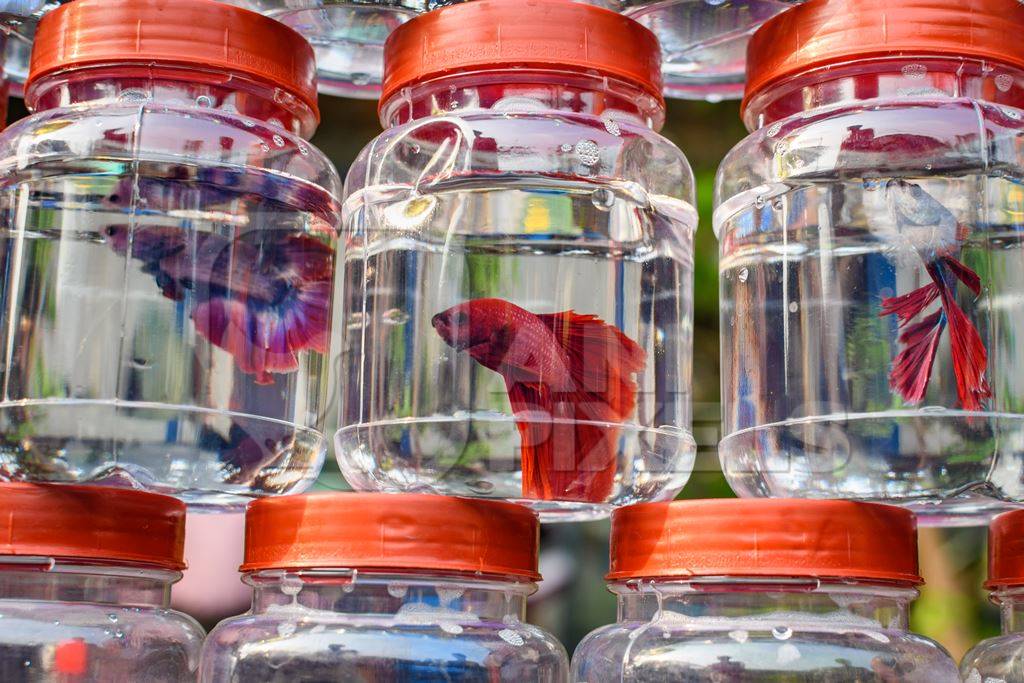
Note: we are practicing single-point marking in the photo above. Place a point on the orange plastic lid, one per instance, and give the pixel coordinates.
(487, 34)
(759, 538)
(381, 531)
(1006, 550)
(820, 33)
(205, 34)
(92, 523)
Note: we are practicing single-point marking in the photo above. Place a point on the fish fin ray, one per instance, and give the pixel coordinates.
(907, 306)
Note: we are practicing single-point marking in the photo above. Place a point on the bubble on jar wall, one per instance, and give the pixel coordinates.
(774, 129)
(511, 637)
(787, 654)
(204, 101)
(611, 126)
(286, 629)
(518, 103)
(739, 635)
(603, 198)
(782, 632)
(397, 590)
(588, 152)
(481, 486)
(793, 307)
(1011, 113)
(914, 70)
(449, 594)
(450, 628)
(278, 140)
(1004, 82)
(744, 274)
(395, 316)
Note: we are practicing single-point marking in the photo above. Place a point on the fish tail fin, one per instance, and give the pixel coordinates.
(970, 358)
(963, 273)
(602, 395)
(913, 366)
(907, 306)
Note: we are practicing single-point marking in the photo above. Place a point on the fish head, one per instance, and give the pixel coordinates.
(148, 244)
(476, 327)
(921, 219)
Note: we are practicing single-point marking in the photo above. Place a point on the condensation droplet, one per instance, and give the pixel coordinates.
(112, 618)
(397, 590)
(612, 127)
(286, 629)
(744, 274)
(204, 101)
(588, 152)
(264, 147)
(565, 147)
(481, 486)
(759, 201)
(511, 637)
(793, 307)
(739, 636)
(453, 629)
(303, 150)
(774, 130)
(1004, 82)
(914, 70)
(1010, 112)
(278, 140)
(782, 632)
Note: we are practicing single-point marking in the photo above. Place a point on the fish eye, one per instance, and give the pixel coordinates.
(460, 318)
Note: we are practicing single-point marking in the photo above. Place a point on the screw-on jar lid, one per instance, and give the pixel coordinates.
(92, 523)
(192, 33)
(1006, 551)
(381, 532)
(487, 34)
(821, 539)
(822, 33)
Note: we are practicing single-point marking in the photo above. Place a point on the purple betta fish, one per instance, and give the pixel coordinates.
(263, 296)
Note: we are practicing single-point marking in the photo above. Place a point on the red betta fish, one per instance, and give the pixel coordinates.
(934, 233)
(263, 299)
(568, 378)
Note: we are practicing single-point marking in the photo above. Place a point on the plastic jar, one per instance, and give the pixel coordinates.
(20, 18)
(870, 258)
(704, 42)
(1001, 659)
(377, 588)
(85, 584)
(168, 254)
(759, 591)
(517, 316)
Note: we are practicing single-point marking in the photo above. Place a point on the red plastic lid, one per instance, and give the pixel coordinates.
(1006, 550)
(380, 531)
(820, 33)
(487, 34)
(760, 538)
(92, 523)
(199, 33)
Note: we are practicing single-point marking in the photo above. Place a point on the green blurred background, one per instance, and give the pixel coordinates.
(572, 601)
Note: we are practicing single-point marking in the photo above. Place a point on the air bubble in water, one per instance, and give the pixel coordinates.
(588, 152)
(1004, 82)
(793, 307)
(204, 101)
(603, 198)
(453, 629)
(397, 590)
(782, 632)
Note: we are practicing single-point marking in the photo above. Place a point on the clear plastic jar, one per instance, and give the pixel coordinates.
(870, 258)
(84, 594)
(168, 254)
(704, 42)
(380, 588)
(1001, 659)
(517, 314)
(762, 591)
(20, 18)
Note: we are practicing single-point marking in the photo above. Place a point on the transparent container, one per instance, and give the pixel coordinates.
(83, 597)
(704, 42)
(870, 258)
(20, 19)
(1002, 658)
(439, 601)
(516, 316)
(167, 255)
(762, 592)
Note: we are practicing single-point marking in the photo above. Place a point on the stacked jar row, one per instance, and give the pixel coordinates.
(372, 587)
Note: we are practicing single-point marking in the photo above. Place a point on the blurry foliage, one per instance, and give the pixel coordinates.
(953, 607)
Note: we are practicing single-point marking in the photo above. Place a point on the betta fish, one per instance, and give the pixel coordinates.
(569, 382)
(934, 233)
(262, 298)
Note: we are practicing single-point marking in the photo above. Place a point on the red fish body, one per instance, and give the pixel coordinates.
(261, 299)
(569, 382)
(915, 211)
